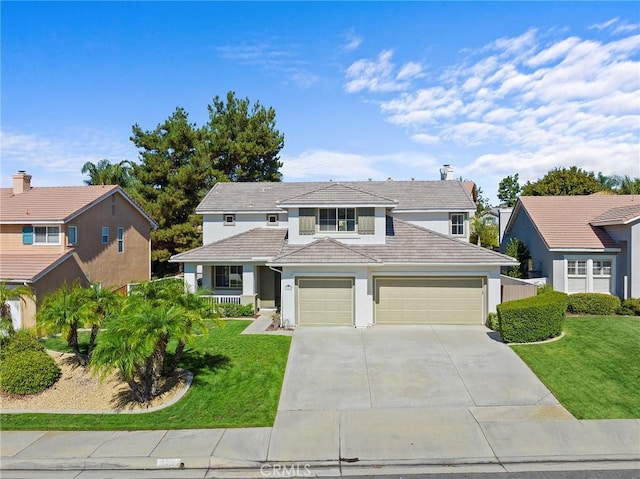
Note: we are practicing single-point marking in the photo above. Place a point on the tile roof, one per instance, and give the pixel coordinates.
(406, 244)
(29, 266)
(569, 221)
(258, 243)
(619, 215)
(323, 251)
(409, 195)
(56, 203)
(337, 194)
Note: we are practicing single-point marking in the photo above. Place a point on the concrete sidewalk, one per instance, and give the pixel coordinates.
(343, 443)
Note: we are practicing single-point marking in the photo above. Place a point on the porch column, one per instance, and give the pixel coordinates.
(493, 291)
(248, 285)
(190, 280)
(207, 277)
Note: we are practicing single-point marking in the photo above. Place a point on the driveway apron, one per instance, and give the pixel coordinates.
(335, 368)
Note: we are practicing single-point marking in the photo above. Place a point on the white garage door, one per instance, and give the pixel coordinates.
(325, 301)
(429, 301)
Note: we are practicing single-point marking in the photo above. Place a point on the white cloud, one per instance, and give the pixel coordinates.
(602, 26)
(284, 62)
(352, 42)
(323, 165)
(378, 75)
(56, 161)
(533, 102)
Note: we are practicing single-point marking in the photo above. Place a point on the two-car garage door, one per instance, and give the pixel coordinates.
(406, 300)
(429, 300)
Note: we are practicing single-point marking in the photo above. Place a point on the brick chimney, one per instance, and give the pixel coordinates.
(21, 182)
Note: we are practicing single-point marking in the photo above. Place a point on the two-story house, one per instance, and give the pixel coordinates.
(346, 253)
(53, 235)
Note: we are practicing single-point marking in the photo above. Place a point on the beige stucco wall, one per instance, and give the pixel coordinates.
(102, 263)
(12, 240)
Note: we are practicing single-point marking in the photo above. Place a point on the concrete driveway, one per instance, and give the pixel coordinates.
(337, 368)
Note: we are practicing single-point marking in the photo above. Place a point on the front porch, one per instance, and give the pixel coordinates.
(245, 283)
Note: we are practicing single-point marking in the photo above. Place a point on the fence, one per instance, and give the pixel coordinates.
(510, 292)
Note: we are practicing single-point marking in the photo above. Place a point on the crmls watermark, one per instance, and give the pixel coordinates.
(285, 470)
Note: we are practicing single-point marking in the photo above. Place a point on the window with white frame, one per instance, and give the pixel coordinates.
(229, 219)
(601, 271)
(588, 275)
(46, 235)
(120, 240)
(337, 219)
(72, 235)
(105, 235)
(457, 224)
(227, 277)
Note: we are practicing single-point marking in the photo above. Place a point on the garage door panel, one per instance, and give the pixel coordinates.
(429, 300)
(325, 301)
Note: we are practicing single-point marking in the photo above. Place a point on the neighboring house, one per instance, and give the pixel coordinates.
(53, 235)
(581, 243)
(498, 216)
(347, 253)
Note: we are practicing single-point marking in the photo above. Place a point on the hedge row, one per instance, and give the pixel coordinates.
(594, 303)
(532, 319)
(230, 310)
(630, 307)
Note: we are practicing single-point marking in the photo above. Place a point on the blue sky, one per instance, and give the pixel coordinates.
(361, 90)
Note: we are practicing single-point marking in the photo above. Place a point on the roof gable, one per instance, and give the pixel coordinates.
(323, 251)
(28, 266)
(337, 194)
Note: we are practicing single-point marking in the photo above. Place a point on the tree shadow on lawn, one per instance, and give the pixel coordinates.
(192, 361)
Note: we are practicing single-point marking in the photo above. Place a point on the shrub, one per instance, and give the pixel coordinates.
(630, 307)
(28, 372)
(19, 341)
(532, 319)
(593, 303)
(492, 321)
(230, 310)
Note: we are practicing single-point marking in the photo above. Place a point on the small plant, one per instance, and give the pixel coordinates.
(492, 321)
(230, 310)
(594, 303)
(630, 307)
(28, 372)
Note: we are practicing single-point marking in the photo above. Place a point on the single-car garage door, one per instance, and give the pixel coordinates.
(429, 301)
(325, 301)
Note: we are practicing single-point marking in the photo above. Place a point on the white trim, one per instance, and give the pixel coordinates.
(119, 240)
(45, 243)
(339, 205)
(585, 250)
(589, 271)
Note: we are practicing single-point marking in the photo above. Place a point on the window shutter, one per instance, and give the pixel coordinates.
(27, 235)
(307, 221)
(366, 221)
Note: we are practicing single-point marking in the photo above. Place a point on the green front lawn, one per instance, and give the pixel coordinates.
(237, 384)
(594, 371)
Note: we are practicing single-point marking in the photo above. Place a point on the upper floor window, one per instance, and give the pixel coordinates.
(272, 220)
(457, 224)
(72, 235)
(229, 219)
(228, 277)
(46, 235)
(120, 240)
(337, 219)
(105, 235)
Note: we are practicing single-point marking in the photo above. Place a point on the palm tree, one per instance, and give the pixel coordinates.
(107, 173)
(11, 294)
(64, 311)
(100, 304)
